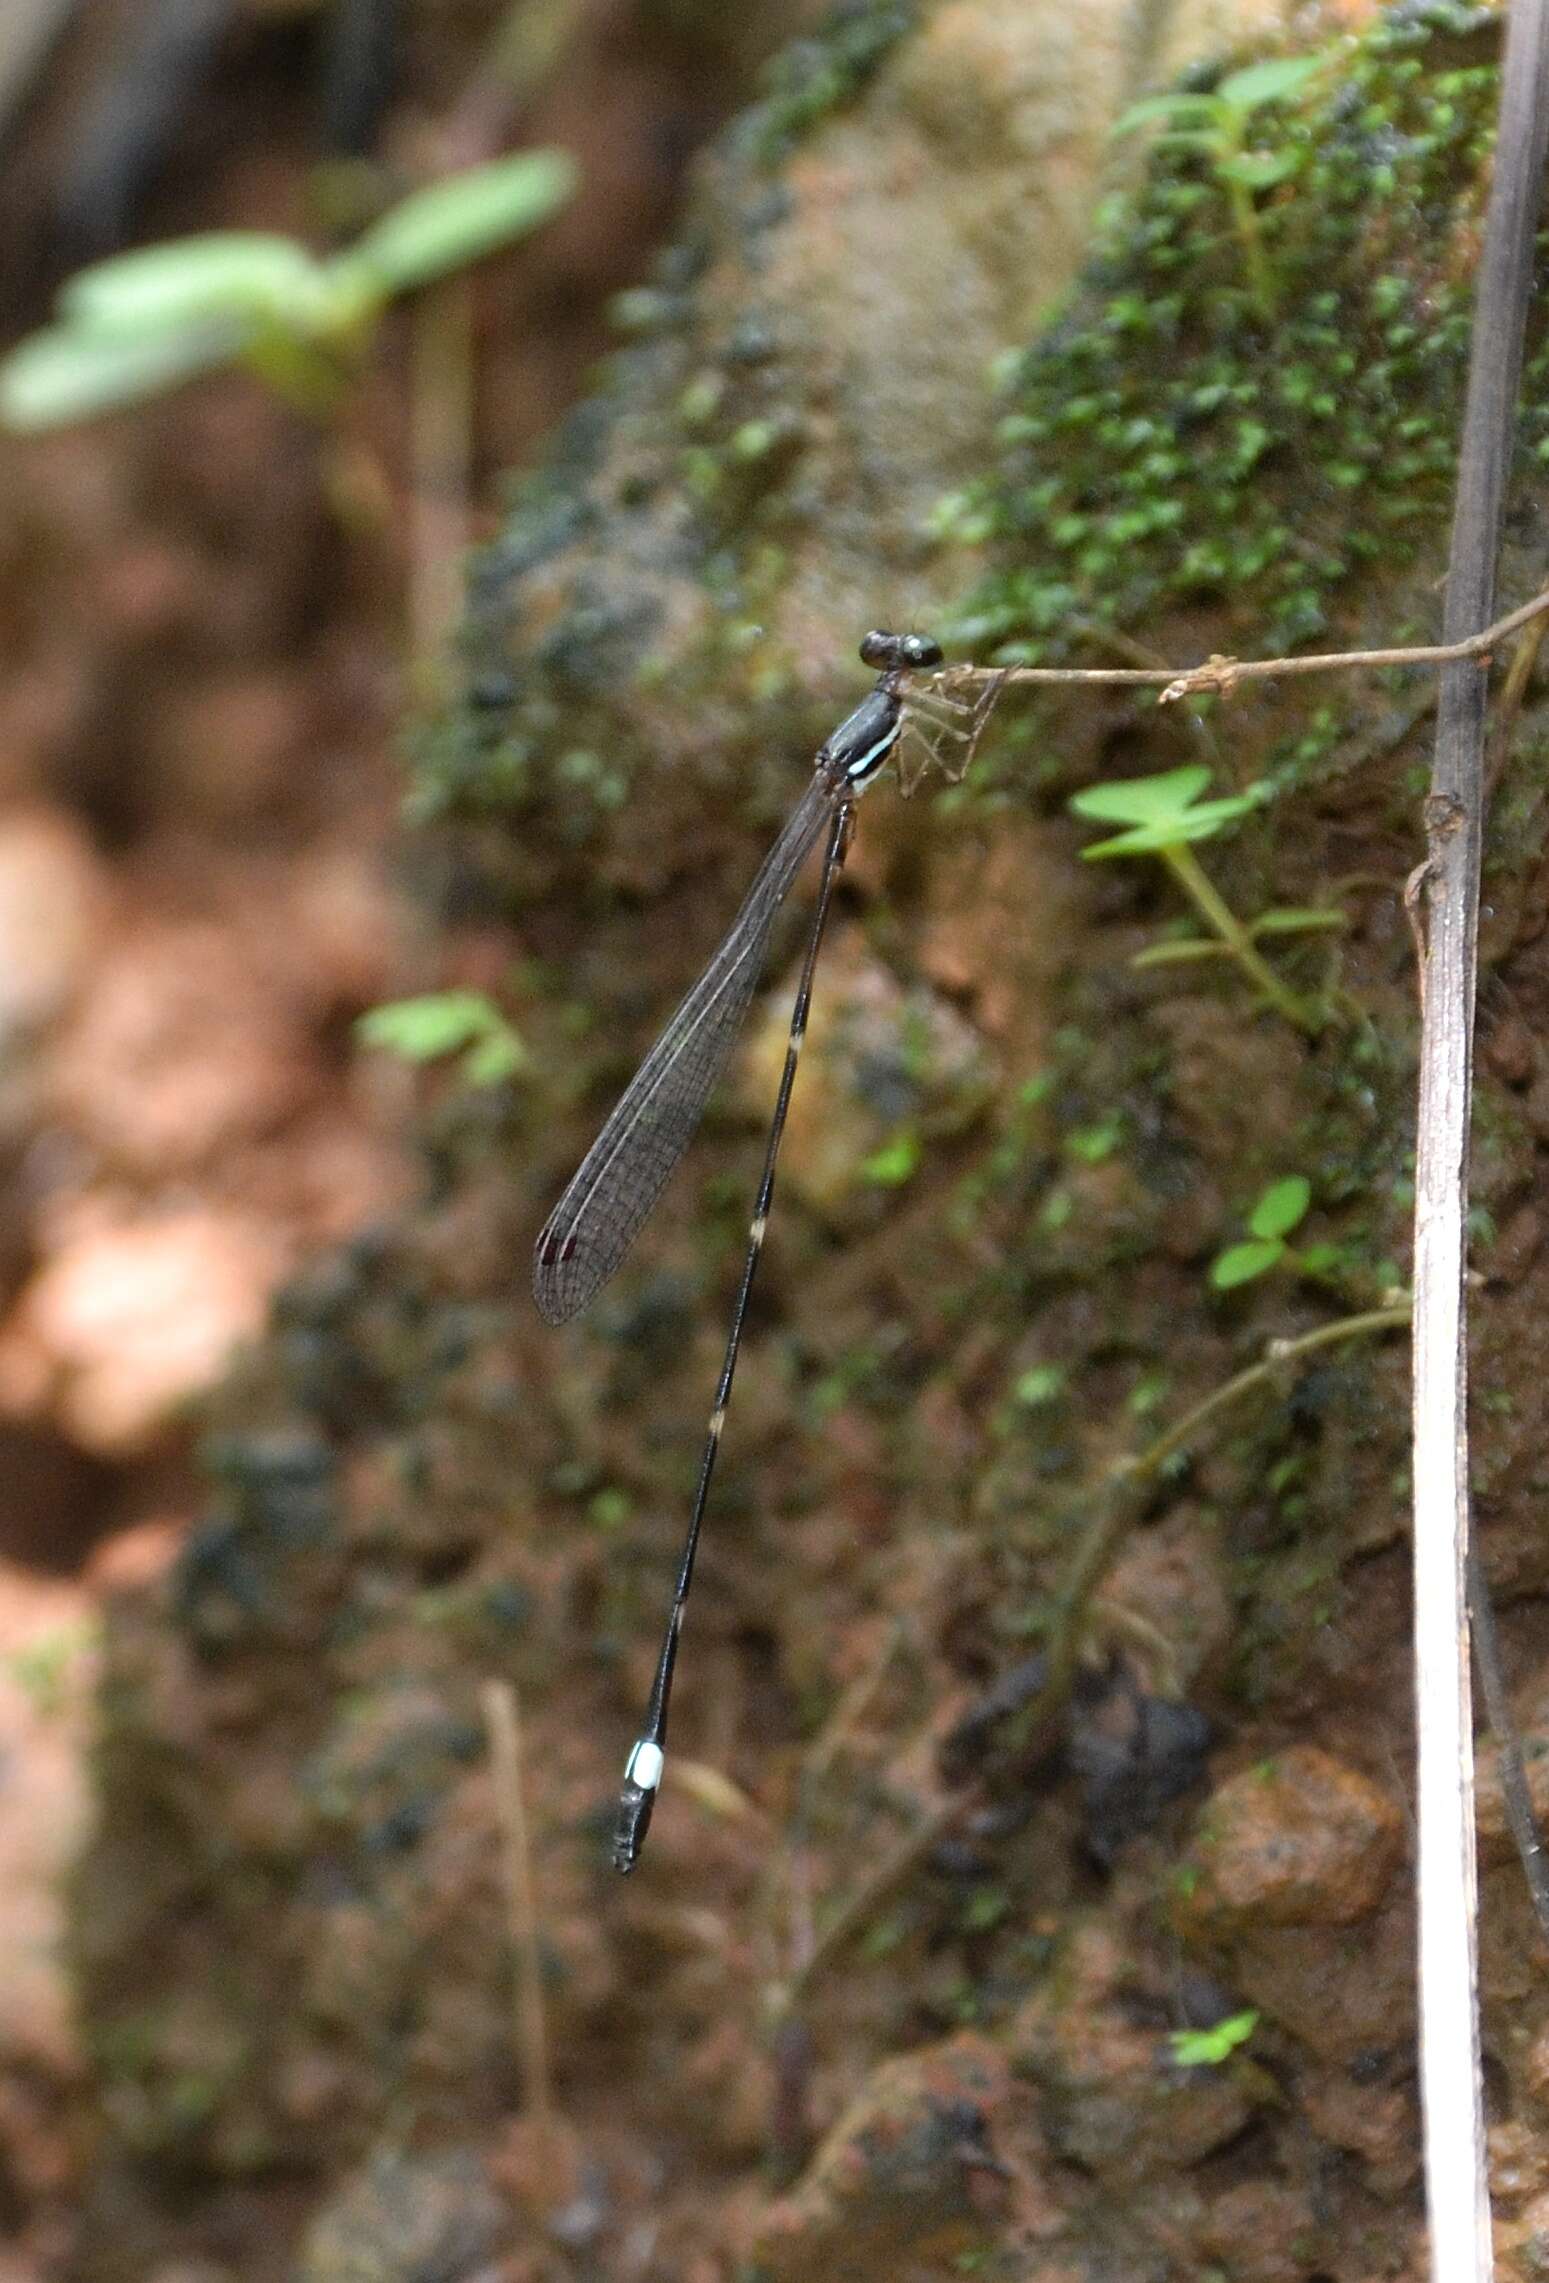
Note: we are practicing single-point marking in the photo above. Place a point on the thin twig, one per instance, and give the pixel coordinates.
(1117, 1509)
(502, 1722)
(1457, 2179)
(1223, 674)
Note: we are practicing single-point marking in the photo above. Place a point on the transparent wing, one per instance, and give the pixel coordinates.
(628, 1165)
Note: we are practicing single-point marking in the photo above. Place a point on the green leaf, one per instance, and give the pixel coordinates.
(1202, 822)
(248, 274)
(439, 1022)
(494, 1058)
(61, 375)
(1240, 1264)
(1282, 1205)
(1040, 1385)
(1260, 170)
(1191, 138)
(894, 1164)
(1140, 800)
(1291, 919)
(609, 1509)
(1092, 1144)
(1208, 2048)
(1174, 106)
(451, 223)
(1183, 951)
(1269, 82)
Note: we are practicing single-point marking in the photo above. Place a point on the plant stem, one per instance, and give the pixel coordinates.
(1246, 221)
(1223, 921)
(502, 1723)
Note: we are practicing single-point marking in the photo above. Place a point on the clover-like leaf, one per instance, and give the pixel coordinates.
(1282, 1205)
(1202, 822)
(1163, 811)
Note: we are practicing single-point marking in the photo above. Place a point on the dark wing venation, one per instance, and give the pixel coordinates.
(628, 1165)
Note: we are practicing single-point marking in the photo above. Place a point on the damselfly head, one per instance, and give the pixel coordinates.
(889, 651)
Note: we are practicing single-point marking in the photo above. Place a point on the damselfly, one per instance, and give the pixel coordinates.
(625, 1170)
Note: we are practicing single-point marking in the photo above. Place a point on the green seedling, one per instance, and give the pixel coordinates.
(1044, 1383)
(1165, 815)
(442, 1023)
(142, 323)
(1220, 125)
(1266, 1247)
(1208, 2048)
(1281, 1209)
(896, 1162)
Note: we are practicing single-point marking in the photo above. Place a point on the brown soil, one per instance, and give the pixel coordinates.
(201, 884)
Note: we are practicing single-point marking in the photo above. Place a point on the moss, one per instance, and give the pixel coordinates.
(1163, 450)
(707, 409)
(816, 76)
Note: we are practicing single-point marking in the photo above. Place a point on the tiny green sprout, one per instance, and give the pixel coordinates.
(1219, 125)
(1164, 815)
(609, 1509)
(140, 324)
(1208, 2048)
(1277, 1213)
(896, 1162)
(440, 1023)
(1090, 1145)
(1044, 1383)
(986, 1908)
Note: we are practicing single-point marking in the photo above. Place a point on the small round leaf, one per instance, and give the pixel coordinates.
(1239, 1264)
(1281, 1207)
